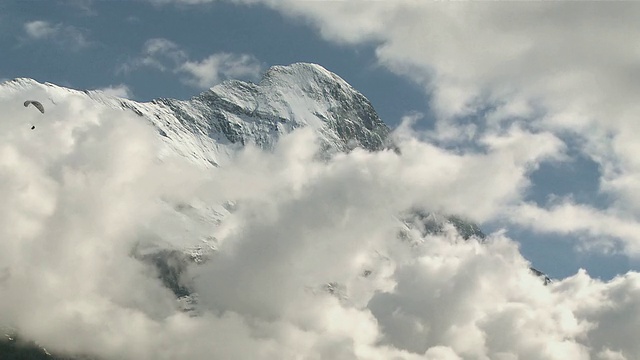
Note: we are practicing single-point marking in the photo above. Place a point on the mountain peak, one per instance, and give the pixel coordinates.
(292, 96)
(302, 73)
(19, 83)
(210, 127)
(310, 80)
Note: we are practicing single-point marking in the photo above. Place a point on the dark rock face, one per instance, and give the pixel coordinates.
(12, 348)
(170, 266)
(541, 275)
(429, 223)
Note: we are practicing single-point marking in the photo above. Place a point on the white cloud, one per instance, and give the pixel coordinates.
(63, 35)
(220, 66)
(166, 55)
(309, 264)
(85, 7)
(567, 69)
(159, 53)
(168, 48)
(601, 230)
(83, 190)
(121, 90)
(39, 29)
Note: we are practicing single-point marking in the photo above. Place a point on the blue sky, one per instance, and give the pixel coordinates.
(450, 75)
(94, 40)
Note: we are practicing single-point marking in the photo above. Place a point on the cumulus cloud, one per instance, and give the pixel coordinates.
(563, 68)
(63, 35)
(166, 55)
(312, 261)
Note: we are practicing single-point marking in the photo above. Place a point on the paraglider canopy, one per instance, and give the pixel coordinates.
(37, 104)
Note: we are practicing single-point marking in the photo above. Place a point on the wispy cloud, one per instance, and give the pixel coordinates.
(40, 29)
(163, 48)
(159, 53)
(121, 90)
(85, 7)
(220, 66)
(165, 55)
(60, 34)
(600, 230)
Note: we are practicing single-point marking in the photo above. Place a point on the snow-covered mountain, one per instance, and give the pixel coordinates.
(210, 128)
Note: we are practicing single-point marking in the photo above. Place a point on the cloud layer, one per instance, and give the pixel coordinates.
(310, 262)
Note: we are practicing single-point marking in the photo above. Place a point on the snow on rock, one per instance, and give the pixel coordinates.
(209, 128)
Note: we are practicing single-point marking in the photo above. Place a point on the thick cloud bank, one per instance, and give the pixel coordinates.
(566, 68)
(312, 261)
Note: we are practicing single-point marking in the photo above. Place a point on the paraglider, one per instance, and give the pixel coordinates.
(37, 105)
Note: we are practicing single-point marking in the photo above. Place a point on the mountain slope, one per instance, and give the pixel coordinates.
(208, 130)
(210, 127)
(288, 97)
